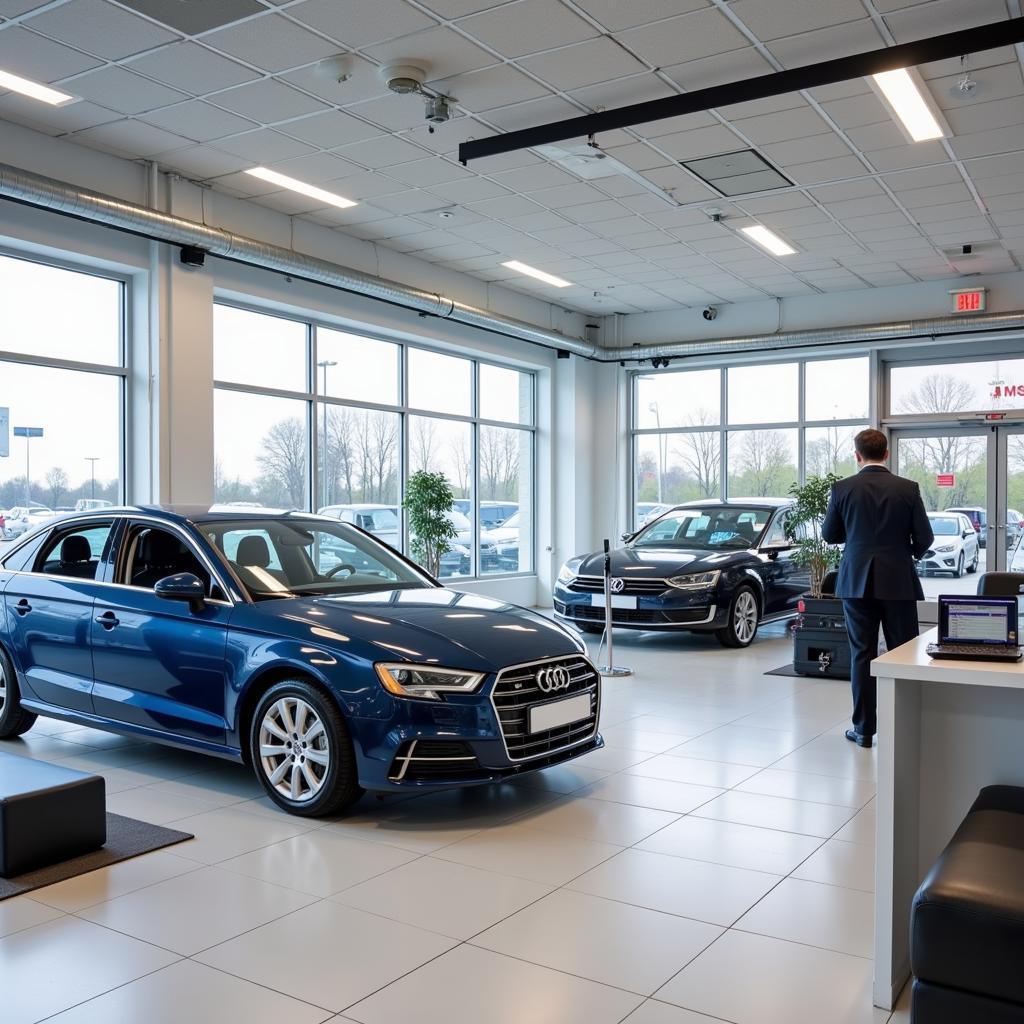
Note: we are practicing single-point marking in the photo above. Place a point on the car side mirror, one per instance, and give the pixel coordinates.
(183, 586)
(968, 533)
(627, 536)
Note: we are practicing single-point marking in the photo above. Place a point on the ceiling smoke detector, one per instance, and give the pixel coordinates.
(403, 78)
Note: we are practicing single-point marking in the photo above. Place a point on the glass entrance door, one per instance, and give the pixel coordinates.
(1010, 496)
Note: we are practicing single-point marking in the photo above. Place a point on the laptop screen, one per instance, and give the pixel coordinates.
(978, 620)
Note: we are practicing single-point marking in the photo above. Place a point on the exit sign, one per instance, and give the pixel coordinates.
(969, 300)
(945, 480)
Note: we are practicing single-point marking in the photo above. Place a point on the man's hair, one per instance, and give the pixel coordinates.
(871, 445)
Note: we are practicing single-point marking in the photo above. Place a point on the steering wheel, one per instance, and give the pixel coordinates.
(331, 573)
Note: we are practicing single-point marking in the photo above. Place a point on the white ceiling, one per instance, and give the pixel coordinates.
(868, 210)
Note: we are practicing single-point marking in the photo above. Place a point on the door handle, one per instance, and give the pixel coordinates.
(23, 607)
(108, 620)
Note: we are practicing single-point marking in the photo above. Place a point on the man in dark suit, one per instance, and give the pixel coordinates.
(882, 521)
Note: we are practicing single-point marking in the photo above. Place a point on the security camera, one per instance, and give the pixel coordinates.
(709, 312)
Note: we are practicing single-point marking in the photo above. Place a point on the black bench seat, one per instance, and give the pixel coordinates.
(47, 814)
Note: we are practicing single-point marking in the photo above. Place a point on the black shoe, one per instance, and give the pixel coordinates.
(855, 737)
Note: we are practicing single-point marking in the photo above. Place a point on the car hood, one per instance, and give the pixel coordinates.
(645, 562)
(434, 625)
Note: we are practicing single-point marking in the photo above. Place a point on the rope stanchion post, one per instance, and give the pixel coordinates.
(611, 669)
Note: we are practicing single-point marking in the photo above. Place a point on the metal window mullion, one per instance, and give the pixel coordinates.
(723, 427)
(801, 433)
(112, 369)
(301, 396)
(313, 440)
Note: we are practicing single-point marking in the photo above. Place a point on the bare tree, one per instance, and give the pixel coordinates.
(339, 456)
(701, 453)
(830, 453)
(462, 461)
(422, 442)
(283, 460)
(57, 481)
(939, 392)
(499, 463)
(763, 458)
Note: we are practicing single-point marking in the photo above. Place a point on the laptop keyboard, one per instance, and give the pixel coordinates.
(974, 651)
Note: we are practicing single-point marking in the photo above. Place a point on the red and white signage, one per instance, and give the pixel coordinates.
(969, 300)
(945, 480)
(1001, 390)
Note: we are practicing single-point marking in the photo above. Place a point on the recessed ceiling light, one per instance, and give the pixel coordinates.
(35, 90)
(541, 275)
(907, 103)
(768, 240)
(330, 198)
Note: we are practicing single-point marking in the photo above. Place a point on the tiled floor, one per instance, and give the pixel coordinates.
(712, 863)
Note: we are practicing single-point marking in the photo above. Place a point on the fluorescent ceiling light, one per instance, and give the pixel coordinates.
(908, 104)
(541, 275)
(330, 198)
(768, 240)
(33, 89)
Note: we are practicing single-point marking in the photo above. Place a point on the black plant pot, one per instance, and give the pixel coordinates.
(821, 646)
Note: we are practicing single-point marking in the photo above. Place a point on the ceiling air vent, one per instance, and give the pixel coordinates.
(194, 16)
(739, 173)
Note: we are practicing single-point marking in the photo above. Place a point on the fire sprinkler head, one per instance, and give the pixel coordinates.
(403, 78)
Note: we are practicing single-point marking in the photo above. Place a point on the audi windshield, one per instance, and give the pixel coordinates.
(275, 558)
(710, 529)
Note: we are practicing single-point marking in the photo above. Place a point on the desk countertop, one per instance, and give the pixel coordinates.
(912, 662)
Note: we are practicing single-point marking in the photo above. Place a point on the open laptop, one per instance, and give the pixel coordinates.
(977, 629)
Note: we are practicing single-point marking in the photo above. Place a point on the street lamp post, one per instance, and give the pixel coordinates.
(661, 462)
(92, 460)
(28, 433)
(324, 364)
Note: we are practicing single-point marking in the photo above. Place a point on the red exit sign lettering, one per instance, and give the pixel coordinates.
(945, 480)
(969, 300)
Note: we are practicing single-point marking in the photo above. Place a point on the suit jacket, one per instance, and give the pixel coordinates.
(882, 521)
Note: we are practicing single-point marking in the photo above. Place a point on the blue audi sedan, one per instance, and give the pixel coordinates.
(297, 644)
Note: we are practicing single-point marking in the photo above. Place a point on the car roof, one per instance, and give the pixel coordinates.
(730, 502)
(192, 513)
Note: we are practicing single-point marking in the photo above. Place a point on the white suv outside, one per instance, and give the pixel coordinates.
(955, 548)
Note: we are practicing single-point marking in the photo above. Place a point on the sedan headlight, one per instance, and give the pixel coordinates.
(695, 580)
(569, 570)
(946, 548)
(425, 682)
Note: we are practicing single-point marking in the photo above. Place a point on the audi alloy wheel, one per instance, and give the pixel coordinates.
(741, 624)
(14, 720)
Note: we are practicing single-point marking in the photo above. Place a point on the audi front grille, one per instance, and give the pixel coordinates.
(638, 586)
(517, 690)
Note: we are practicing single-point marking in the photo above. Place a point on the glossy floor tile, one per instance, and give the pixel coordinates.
(851, 865)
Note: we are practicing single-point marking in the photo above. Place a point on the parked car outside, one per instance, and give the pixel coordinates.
(712, 566)
(252, 637)
(90, 504)
(979, 520)
(955, 548)
(458, 560)
(492, 513)
(1014, 526)
(380, 520)
(23, 518)
(505, 539)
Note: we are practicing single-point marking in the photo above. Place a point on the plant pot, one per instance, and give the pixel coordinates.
(821, 646)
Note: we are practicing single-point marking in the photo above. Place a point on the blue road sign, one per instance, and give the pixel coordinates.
(28, 431)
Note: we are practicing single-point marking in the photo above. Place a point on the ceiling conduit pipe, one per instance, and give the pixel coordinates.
(58, 197)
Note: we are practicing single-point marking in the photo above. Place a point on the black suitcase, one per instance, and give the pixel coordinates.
(821, 646)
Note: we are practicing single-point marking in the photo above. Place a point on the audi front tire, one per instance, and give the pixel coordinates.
(742, 620)
(14, 719)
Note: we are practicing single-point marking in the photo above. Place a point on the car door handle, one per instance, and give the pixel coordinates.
(23, 607)
(108, 620)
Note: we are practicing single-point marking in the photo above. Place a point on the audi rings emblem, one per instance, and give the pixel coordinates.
(618, 585)
(551, 679)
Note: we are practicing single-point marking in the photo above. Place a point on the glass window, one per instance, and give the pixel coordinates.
(440, 383)
(673, 468)
(361, 464)
(506, 490)
(256, 348)
(766, 393)
(505, 394)
(356, 368)
(836, 389)
(718, 528)
(957, 387)
(76, 553)
(687, 399)
(260, 450)
(830, 450)
(59, 314)
(154, 553)
(762, 463)
(77, 457)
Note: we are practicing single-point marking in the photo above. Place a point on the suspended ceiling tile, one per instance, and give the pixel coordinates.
(943, 16)
(883, 135)
(192, 68)
(469, 190)
(267, 101)
(193, 18)
(380, 152)
(781, 18)
(1003, 140)
(842, 191)
(782, 126)
(125, 91)
(264, 146)
(616, 16)
(452, 9)
(531, 113)
(363, 81)
(587, 63)
(447, 137)
(12, 8)
(272, 43)
(366, 185)
(536, 176)
(856, 111)
(198, 121)
(29, 54)
(985, 116)
(410, 202)
(440, 51)
(825, 170)
(977, 62)
(393, 112)
(55, 120)
(917, 154)
(316, 168)
(998, 83)
(993, 167)
(922, 177)
(100, 28)
(507, 207)
(490, 87)
(688, 37)
(359, 22)
(802, 151)
(722, 68)
(703, 142)
(941, 195)
(931, 214)
(131, 139)
(840, 90)
(827, 44)
(424, 173)
(330, 129)
(537, 221)
(528, 27)
(202, 162)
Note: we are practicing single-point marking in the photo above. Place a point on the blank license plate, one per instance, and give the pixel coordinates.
(560, 712)
(618, 601)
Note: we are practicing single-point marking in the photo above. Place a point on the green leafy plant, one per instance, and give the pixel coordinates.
(429, 502)
(803, 527)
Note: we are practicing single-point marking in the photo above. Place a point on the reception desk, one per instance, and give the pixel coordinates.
(945, 730)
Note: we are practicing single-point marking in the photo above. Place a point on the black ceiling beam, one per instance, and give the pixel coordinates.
(843, 69)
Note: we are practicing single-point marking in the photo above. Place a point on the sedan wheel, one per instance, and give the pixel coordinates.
(302, 752)
(741, 627)
(14, 720)
(959, 567)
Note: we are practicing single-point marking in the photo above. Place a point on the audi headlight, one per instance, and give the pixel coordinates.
(946, 547)
(695, 580)
(425, 682)
(569, 570)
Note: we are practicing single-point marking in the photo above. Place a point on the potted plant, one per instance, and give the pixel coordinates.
(820, 643)
(429, 502)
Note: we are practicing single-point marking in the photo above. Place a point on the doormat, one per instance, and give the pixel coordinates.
(788, 670)
(126, 838)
